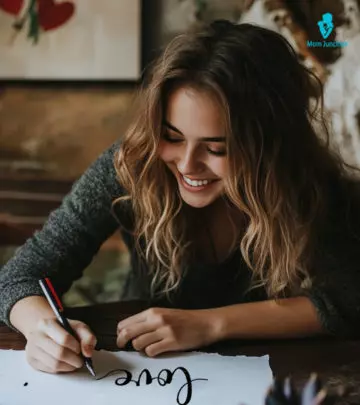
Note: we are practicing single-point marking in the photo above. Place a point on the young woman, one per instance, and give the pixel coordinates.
(240, 221)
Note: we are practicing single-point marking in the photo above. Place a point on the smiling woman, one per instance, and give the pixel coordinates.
(240, 221)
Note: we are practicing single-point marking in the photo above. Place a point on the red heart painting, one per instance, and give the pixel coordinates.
(52, 15)
(11, 6)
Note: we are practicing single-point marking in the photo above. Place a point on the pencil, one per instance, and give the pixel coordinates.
(58, 309)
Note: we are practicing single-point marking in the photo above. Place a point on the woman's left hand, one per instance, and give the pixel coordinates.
(159, 330)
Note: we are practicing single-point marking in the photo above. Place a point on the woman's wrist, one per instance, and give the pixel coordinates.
(215, 324)
(27, 312)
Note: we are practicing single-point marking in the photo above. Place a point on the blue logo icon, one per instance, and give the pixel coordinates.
(326, 25)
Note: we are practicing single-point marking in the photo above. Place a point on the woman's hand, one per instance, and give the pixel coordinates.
(159, 330)
(51, 349)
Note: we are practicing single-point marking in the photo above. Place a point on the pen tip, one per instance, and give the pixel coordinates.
(91, 369)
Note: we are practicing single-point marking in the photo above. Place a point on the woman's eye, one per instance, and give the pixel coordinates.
(168, 138)
(217, 152)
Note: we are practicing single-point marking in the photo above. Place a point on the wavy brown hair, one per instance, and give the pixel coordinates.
(280, 169)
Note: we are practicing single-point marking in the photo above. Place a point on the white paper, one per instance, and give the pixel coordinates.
(229, 380)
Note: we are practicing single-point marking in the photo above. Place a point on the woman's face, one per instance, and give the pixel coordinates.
(193, 146)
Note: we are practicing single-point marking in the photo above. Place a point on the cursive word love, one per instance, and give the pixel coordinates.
(164, 377)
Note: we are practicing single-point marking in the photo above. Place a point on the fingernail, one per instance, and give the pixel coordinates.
(89, 349)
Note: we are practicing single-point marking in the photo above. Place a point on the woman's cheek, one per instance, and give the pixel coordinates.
(222, 167)
(164, 152)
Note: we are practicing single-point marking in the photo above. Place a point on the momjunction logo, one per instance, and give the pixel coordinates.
(326, 26)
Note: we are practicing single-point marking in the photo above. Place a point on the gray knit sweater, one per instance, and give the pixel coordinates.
(75, 231)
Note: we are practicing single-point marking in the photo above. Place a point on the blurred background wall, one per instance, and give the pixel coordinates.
(51, 129)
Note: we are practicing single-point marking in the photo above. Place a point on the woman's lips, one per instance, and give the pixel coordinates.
(195, 189)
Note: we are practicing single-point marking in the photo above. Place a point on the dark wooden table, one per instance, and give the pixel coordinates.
(336, 361)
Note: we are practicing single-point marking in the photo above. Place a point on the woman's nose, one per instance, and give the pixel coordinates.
(189, 161)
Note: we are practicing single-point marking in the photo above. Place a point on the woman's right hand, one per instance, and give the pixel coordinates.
(50, 348)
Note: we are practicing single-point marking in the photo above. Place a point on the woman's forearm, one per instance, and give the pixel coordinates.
(285, 318)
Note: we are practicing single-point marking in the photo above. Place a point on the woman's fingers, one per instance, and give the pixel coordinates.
(60, 353)
(157, 348)
(143, 341)
(47, 363)
(38, 365)
(86, 336)
(59, 335)
(133, 331)
(140, 317)
(50, 348)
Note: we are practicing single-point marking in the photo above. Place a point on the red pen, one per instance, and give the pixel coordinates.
(58, 309)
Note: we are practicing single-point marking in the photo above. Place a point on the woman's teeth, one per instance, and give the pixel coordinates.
(196, 183)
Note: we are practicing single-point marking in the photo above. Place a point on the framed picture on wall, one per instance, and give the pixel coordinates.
(70, 39)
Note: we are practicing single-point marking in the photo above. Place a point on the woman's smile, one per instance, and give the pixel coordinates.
(195, 185)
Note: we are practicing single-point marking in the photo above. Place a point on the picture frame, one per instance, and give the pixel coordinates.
(70, 40)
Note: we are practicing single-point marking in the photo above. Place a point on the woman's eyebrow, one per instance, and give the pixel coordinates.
(207, 139)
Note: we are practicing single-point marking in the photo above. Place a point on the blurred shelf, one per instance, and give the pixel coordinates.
(25, 203)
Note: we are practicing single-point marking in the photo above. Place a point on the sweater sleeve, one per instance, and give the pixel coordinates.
(68, 241)
(335, 290)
